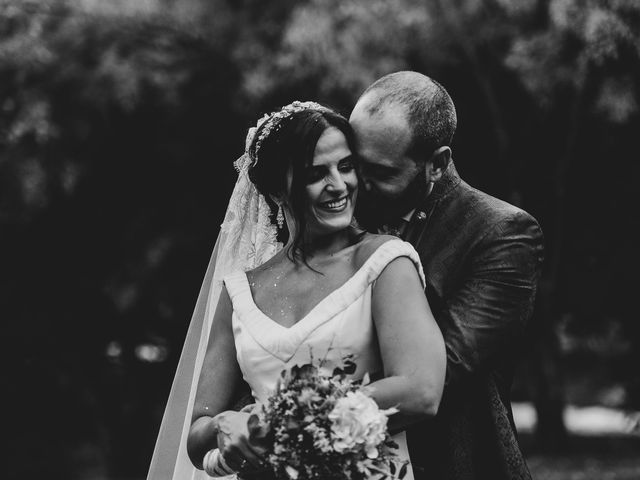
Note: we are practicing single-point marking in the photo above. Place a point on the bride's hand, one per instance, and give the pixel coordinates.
(234, 440)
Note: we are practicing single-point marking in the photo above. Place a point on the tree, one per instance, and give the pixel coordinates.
(578, 65)
(118, 139)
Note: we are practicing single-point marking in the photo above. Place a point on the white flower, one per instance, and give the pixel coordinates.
(308, 396)
(292, 472)
(358, 423)
(322, 444)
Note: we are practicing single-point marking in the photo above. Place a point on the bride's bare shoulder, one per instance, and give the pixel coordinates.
(369, 244)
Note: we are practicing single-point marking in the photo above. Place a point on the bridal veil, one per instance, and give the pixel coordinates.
(247, 239)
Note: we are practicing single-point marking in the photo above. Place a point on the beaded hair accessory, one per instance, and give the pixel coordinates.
(272, 122)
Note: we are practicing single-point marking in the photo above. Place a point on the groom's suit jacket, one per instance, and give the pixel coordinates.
(482, 259)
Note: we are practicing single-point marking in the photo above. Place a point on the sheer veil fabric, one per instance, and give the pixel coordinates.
(247, 239)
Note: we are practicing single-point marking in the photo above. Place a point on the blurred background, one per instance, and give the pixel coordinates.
(119, 123)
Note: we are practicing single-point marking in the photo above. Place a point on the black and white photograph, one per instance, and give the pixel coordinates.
(320, 239)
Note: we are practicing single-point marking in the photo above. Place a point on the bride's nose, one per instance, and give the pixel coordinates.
(336, 183)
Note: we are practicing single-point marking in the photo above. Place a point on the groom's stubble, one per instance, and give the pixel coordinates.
(374, 209)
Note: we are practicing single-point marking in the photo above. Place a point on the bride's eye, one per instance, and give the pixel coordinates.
(313, 174)
(346, 165)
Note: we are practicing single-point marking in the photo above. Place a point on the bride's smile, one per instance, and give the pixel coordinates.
(335, 205)
(332, 185)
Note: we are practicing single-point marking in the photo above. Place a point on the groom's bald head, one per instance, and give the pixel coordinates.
(427, 106)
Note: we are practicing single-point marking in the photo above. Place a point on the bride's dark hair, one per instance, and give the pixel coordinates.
(284, 156)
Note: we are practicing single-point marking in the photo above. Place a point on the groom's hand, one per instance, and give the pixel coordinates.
(234, 442)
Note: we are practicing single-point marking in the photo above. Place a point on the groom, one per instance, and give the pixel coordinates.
(482, 259)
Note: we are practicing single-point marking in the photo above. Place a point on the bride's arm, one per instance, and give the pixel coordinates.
(219, 380)
(411, 344)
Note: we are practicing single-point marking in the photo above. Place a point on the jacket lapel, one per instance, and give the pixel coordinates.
(420, 219)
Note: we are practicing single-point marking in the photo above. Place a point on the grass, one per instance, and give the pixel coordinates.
(586, 458)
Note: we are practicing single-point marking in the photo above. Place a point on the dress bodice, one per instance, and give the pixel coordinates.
(339, 325)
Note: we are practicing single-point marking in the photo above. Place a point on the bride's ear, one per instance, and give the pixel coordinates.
(277, 199)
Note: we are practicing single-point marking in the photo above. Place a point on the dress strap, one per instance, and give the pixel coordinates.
(385, 254)
(237, 286)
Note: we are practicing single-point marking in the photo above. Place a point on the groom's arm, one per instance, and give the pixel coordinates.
(493, 303)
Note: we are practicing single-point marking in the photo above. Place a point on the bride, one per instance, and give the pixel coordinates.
(333, 290)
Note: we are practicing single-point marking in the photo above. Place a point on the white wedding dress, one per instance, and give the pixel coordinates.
(341, 324)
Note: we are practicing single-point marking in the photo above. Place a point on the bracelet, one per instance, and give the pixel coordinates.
(215, 466)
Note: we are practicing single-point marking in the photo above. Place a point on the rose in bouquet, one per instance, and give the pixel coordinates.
(325, 426)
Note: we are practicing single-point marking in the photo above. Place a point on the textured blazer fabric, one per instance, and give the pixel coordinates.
(482, 259)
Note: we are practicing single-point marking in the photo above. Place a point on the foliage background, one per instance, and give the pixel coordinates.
(119, 123)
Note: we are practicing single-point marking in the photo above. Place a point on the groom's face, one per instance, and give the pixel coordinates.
(393, 182)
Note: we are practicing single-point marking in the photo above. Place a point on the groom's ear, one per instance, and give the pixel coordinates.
(438, 163)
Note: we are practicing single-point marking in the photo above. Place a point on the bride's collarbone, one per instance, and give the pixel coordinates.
(287, 292)
(312, 267)
(300, 279)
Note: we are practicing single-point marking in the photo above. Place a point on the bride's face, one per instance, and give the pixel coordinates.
(331, 185)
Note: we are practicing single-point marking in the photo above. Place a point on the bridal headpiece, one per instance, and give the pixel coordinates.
(271, 123)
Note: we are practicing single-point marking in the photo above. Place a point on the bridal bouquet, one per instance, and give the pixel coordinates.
(326, 427)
